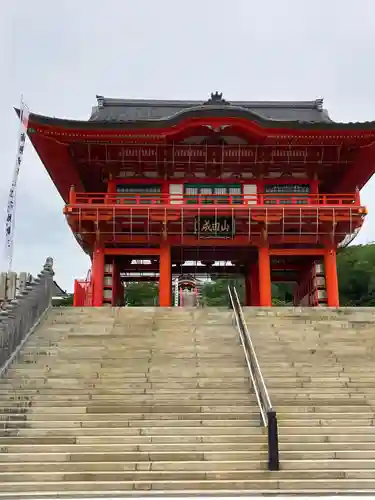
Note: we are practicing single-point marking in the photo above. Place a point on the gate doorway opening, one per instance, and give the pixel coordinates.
(179, 276)
(140, 278)
(298, 281)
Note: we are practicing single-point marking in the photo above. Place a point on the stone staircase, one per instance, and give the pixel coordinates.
(152, 400)
(318, 365)
(112, 401)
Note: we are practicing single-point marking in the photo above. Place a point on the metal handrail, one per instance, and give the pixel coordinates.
(268, 414)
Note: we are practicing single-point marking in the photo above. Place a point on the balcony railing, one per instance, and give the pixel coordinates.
(178, 200)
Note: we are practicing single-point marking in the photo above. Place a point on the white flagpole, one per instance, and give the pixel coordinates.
(11, 207)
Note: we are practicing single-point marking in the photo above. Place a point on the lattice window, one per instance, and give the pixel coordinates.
(220, 192)
(145, 192)
(289, 189)
(129, 188)
(191, 191)
(234, 191)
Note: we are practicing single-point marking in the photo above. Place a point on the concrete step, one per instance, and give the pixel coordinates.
(201, 355)
(118, 427)
(98, 404)
(182, 456)
(120, 467)
(100, 444)
(37, 418)
(131, 372)
(46, 391)
(130, 435)
(86, 438)
(126, 379)
(178, 475)
(152, 392)
(47, 398)
(166, 408)
(103, 488)
(141, 424)
(347, 467)
(185, 404)
(50, 384)
(169, 418)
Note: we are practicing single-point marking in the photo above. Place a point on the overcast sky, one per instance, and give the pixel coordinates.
(60, 54)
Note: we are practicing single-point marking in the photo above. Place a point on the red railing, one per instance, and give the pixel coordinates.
(287, 199)
(83, 292)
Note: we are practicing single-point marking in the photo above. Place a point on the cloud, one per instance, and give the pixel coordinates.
(61, 54)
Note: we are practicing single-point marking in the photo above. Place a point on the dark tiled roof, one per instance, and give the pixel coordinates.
(130, 110)
(127, 114)
(57, 291)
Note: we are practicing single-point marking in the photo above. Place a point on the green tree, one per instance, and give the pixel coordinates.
(66, 301)
(215, 293)
(282, 294)
(141, 294)
(356, 274)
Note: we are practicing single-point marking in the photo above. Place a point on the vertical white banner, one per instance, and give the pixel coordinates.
(11, 207)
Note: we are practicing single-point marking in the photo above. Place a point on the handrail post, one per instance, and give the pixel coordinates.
(273, 441)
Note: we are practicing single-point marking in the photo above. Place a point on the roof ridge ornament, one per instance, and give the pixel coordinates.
(100, 101)
(216, 98)
(319, 103)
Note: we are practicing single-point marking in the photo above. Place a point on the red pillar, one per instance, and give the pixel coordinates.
(76, 294)
(264, 266)
(332, 286)
(98, 276)
(165, 282)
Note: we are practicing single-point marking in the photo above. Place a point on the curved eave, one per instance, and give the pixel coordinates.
(209, 113)
(57, 161)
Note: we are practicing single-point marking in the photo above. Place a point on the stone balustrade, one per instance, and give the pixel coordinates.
(12, 284)
(20, 315)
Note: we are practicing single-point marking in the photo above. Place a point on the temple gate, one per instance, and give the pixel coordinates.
(149, 186)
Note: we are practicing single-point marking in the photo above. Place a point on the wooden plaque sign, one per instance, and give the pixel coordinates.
(214, 227)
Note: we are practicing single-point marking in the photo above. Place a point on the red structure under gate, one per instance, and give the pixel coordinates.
(272, 187)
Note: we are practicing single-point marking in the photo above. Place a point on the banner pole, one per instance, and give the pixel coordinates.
(11, 206)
